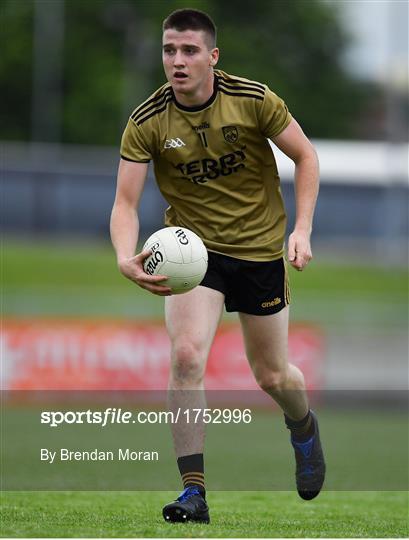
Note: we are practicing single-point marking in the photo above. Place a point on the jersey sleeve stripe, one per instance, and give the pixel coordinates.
(135, 160)
(241, 94)
(152, 108)
(243, 82)
(241, 87)
(140, 120)
(151, 102)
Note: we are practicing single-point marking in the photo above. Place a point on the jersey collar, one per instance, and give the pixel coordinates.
(198, 107)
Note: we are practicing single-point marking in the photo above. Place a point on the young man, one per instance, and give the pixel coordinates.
(206, 132)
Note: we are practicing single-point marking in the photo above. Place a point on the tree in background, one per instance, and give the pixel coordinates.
(112, 61)
(15, 69)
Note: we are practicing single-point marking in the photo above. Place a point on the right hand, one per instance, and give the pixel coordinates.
(132, 269)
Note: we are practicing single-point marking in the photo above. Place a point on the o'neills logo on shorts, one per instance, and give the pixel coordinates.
(271, 303)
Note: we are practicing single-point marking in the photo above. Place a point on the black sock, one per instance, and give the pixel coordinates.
(191, 470)
(301, 430)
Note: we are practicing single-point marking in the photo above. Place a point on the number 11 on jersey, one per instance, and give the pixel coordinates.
(202, 136)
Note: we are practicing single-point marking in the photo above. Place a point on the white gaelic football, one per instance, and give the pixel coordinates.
(180, 255)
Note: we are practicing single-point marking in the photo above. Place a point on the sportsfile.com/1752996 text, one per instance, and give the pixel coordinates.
(112, 415)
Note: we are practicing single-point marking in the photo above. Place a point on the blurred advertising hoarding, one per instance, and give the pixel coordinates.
(43, 354)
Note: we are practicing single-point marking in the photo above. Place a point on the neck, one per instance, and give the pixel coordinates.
(199, 96)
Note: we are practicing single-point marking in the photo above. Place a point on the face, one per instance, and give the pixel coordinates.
(188, 62)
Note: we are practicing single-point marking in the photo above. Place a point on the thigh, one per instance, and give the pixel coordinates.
(266, 340)
(193, 317)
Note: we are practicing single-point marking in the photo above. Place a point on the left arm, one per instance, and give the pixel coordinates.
(297, 147)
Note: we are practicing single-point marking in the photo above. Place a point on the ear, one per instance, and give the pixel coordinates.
(214, 58)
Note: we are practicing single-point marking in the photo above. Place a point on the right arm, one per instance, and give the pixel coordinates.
(125, 227)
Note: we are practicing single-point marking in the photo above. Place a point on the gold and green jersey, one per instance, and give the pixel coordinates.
(214, 165)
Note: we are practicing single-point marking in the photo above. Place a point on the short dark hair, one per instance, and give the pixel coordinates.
(191, 19)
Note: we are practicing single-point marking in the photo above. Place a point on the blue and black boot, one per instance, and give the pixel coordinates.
(310, 463)
(189, 506)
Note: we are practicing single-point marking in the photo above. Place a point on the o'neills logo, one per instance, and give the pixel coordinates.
(201, 127)
(271, 303)
(154, 260)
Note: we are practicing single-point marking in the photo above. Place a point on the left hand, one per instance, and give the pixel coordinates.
(299, 249)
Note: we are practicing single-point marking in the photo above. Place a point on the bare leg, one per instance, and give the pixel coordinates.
(266, 341)
(191, 321)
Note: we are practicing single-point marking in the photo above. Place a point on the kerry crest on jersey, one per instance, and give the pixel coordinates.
(230, 133)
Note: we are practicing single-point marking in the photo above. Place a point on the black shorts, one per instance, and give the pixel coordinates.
(256, 288)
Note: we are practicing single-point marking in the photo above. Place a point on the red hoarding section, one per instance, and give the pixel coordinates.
(41, 354)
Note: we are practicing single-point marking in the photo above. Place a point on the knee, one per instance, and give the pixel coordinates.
(187, 361)
(272, 381)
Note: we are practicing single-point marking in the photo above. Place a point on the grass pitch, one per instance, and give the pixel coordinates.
(233, 514)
